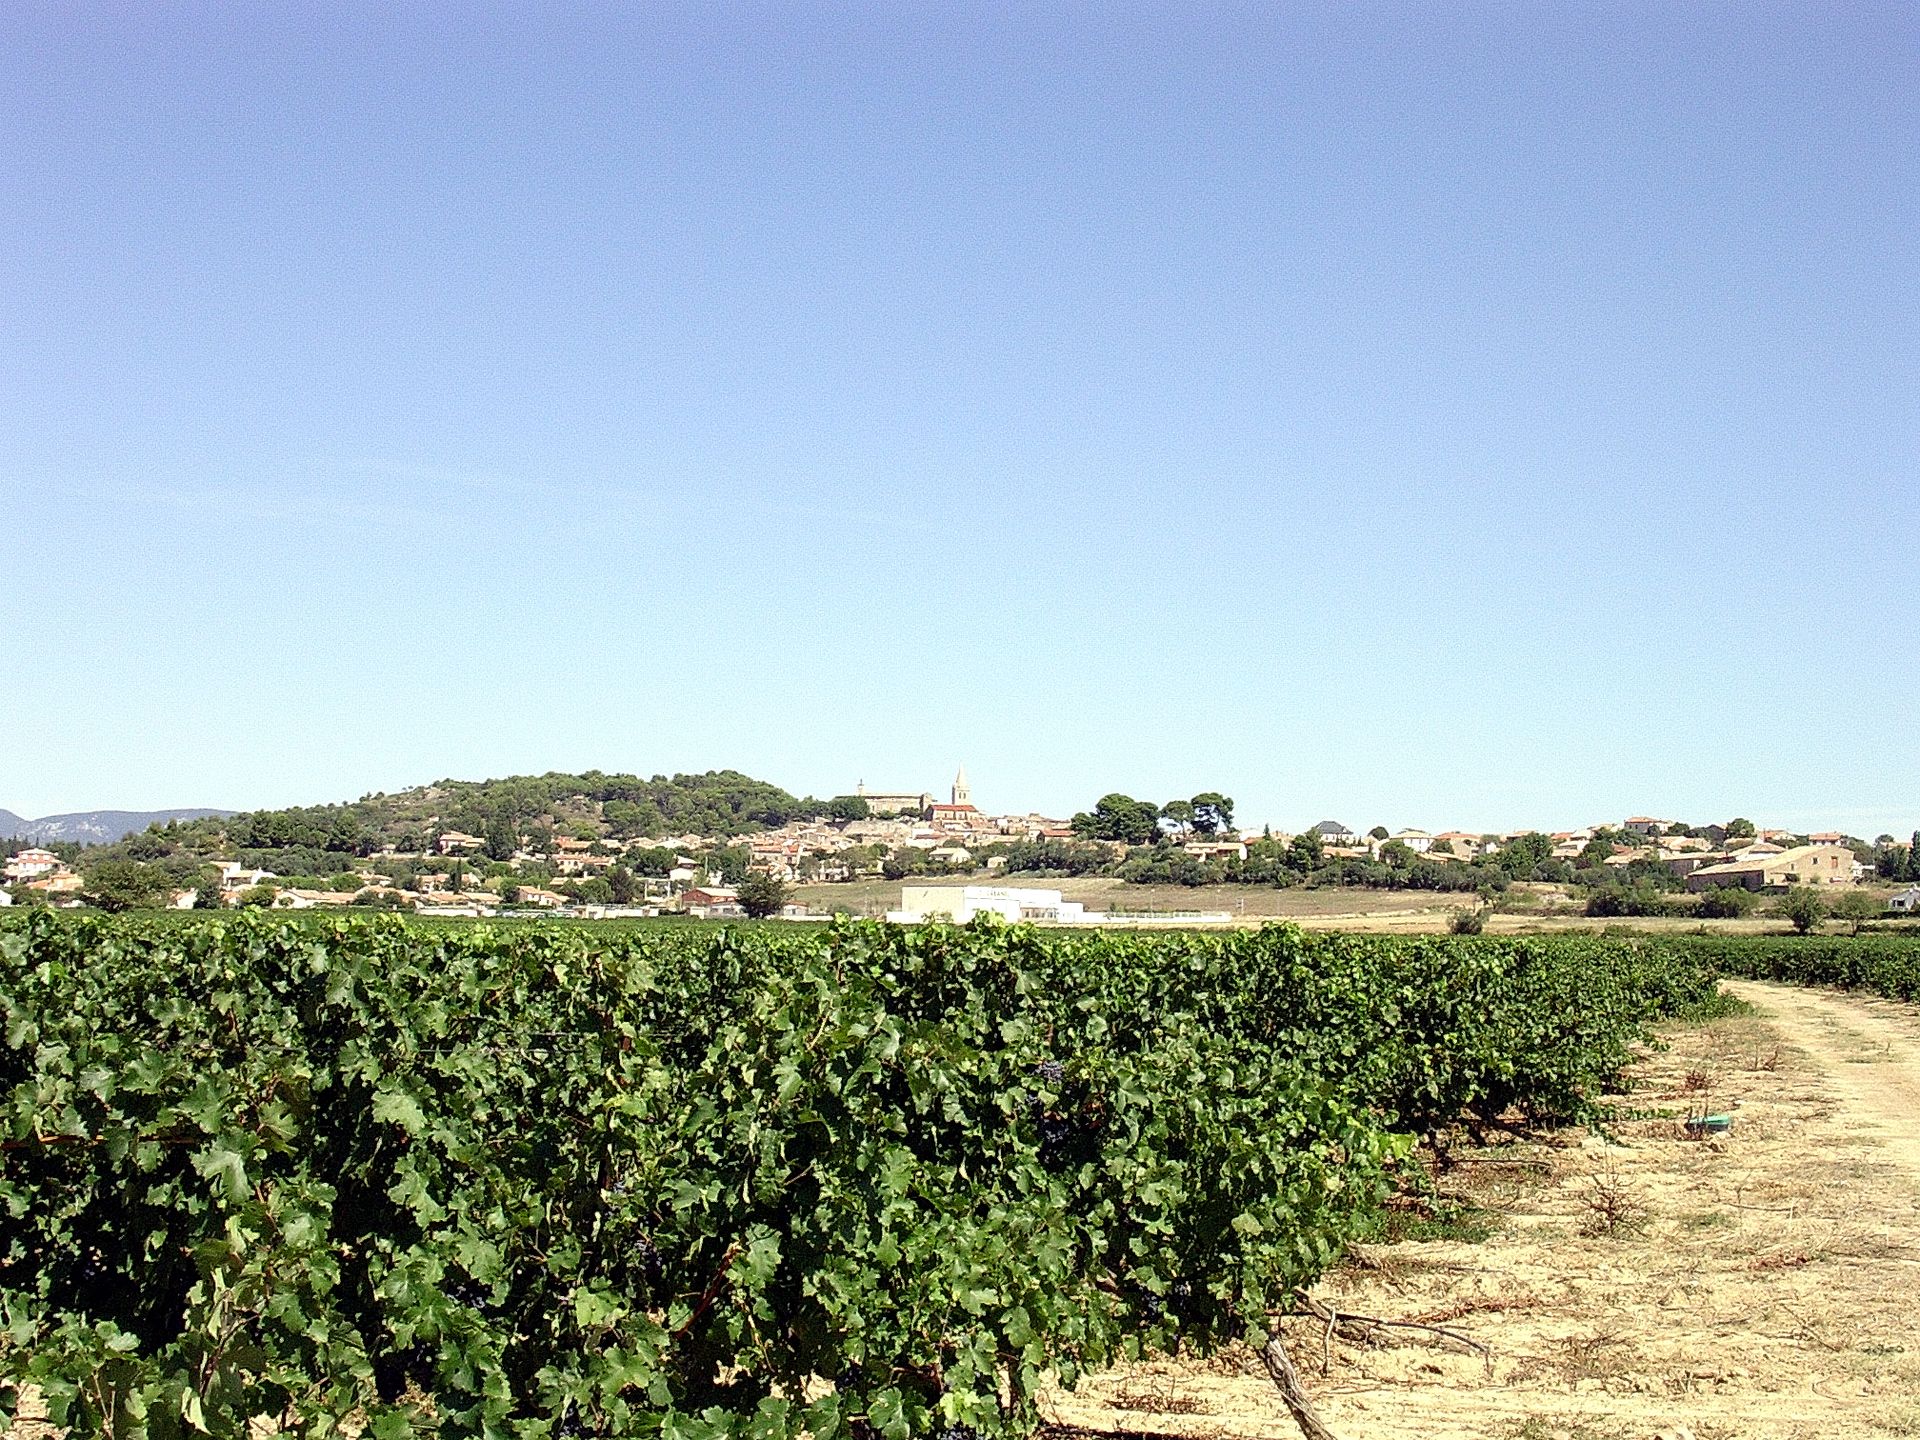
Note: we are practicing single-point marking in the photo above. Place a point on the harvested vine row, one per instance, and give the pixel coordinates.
(858, 1181)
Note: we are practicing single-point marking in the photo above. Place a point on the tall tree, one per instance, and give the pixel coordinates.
(1804, 907)
(762, 895)
(1122, 818)
(502, 838)
(124, 885)
(1306, 851)
(1212, 812)
(1526, 854)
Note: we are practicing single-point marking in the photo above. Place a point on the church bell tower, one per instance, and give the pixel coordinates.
(961, 794)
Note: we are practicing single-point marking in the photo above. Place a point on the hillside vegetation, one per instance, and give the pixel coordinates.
(718, 803)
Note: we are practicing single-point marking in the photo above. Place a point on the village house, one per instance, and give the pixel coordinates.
(1802, 865)
(1216, 849)
(1625, 855)
(1684, 862)
(1905, 902)
(580, 862)
(713, 902)
(235, 877)
(1647, 825)
(894, 802)
(32, 864)
(1418, 841)
(776, 856)
(455, 842)
(310, 899)
(1675, 844)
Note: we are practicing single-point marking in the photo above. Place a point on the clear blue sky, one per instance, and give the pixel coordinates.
(1425, 415)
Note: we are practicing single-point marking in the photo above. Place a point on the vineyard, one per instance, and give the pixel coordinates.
(865, 1181)
(1887, 964)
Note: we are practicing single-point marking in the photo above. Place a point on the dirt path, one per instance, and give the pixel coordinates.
(1763, 1285)
(1869, 1051)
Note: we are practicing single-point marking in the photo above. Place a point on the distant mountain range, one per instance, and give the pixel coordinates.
(93, 827)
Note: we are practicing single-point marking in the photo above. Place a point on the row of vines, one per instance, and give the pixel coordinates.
(1882, 964)
(864, 1181)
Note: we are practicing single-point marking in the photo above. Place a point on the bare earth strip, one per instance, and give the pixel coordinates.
(1768, 1287)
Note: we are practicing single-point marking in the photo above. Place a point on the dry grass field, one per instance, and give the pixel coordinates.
(1524, 909)
(1346, 908)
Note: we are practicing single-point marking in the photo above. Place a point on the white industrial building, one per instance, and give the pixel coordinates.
(960, 903)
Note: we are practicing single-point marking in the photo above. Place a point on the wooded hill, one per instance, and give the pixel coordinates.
(595, 805)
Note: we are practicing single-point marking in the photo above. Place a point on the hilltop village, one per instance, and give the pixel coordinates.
(598, 846)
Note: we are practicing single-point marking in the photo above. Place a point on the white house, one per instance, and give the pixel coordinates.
(235, 877)
(32, 864)
(1905, 902)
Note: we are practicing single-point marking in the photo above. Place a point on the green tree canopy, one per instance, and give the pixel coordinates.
(1856, 907)
(1212, 812)
(1804, 907)
(762, 895)
(1526, 854)
(1120, 817)
(502, 838)
(124, 885)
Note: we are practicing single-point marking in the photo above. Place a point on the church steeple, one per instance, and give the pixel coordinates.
(961, 794)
